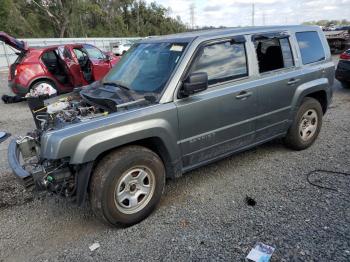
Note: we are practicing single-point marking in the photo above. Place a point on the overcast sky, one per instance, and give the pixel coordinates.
(239, 12)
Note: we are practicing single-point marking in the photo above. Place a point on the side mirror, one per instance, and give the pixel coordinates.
(194, 83)
(108, 56)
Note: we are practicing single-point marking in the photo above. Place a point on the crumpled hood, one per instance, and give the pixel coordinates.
(110, 96)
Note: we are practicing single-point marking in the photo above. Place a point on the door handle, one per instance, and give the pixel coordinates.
(244, 95)
(293, 81)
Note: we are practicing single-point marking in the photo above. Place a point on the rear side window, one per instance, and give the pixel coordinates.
(222, 62)
(311, 48)
(273, 54)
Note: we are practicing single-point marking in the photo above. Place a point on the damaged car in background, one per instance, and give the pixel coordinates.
(61, 67)
(170, 105)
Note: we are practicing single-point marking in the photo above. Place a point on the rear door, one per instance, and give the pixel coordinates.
(278, 79)
(100, 62)
(71, 66)
(220, 120)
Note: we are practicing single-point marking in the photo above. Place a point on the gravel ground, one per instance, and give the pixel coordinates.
(203, 215)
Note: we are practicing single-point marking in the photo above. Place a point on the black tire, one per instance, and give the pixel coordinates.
(123, 52)
(107, 178)
(293, 138)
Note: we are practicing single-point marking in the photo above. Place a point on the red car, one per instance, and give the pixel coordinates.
(63, 66)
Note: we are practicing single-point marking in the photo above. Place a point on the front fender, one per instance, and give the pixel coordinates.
(91, 146)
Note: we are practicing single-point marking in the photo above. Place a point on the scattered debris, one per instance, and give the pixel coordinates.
(42, 89)
(4, 136)
(12, 99)
(250, 201)
(94, 246)
(261, 253)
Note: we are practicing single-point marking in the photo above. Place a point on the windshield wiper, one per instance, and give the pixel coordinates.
(117, 84)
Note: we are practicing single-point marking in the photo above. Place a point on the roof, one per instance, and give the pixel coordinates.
(212, 33)
(56, 46)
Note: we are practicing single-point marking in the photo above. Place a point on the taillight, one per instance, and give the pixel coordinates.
(345, 56)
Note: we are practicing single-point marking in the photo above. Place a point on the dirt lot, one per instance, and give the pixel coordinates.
(202, 215)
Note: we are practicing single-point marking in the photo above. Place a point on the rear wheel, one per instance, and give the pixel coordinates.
(126, 185)
(48, 83)
(306, 125)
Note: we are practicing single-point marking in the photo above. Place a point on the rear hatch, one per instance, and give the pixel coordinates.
(19, 45)
(13, 42)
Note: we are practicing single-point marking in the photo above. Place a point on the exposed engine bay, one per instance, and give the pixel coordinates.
(97, 100)
(83, 104)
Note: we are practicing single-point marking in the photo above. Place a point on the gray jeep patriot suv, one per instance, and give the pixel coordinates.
(172, 104)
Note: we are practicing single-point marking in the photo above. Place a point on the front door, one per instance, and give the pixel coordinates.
(220, 120)
(100, 63)
(71, 66)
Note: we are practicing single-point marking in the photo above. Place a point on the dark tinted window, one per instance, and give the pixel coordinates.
(310, 47)
(222, 62)
(273, 54)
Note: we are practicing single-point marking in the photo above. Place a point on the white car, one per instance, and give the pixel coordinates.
(120, 49)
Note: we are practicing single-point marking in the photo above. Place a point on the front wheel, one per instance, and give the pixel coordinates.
(126, 185)
(306, 125)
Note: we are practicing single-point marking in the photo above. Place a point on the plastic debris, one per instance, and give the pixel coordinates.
(94, 246)
(56, 107)
(4, 136)
(261, 253)
(42, 89)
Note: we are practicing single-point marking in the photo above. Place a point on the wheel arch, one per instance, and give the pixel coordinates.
(318, 89)
(155, 144)
(40, 79)
(321, 97)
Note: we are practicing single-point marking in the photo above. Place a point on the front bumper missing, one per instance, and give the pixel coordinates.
(30, 181)
(23, 176)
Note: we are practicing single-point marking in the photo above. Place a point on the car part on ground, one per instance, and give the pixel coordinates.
(171, 105)
(4, 136)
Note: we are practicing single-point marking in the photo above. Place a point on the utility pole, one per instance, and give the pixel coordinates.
(192, 22)
(253, 13)
(264, 18)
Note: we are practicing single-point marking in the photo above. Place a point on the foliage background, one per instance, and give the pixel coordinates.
(86, 18)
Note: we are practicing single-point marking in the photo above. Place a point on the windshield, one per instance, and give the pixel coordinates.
(146, 68)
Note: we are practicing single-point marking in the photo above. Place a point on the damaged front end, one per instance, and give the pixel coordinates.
(56, 176)
(27, 157)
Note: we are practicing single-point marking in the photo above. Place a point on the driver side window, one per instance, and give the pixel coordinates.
(94, 53)
(78, 53)
(222, 62)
